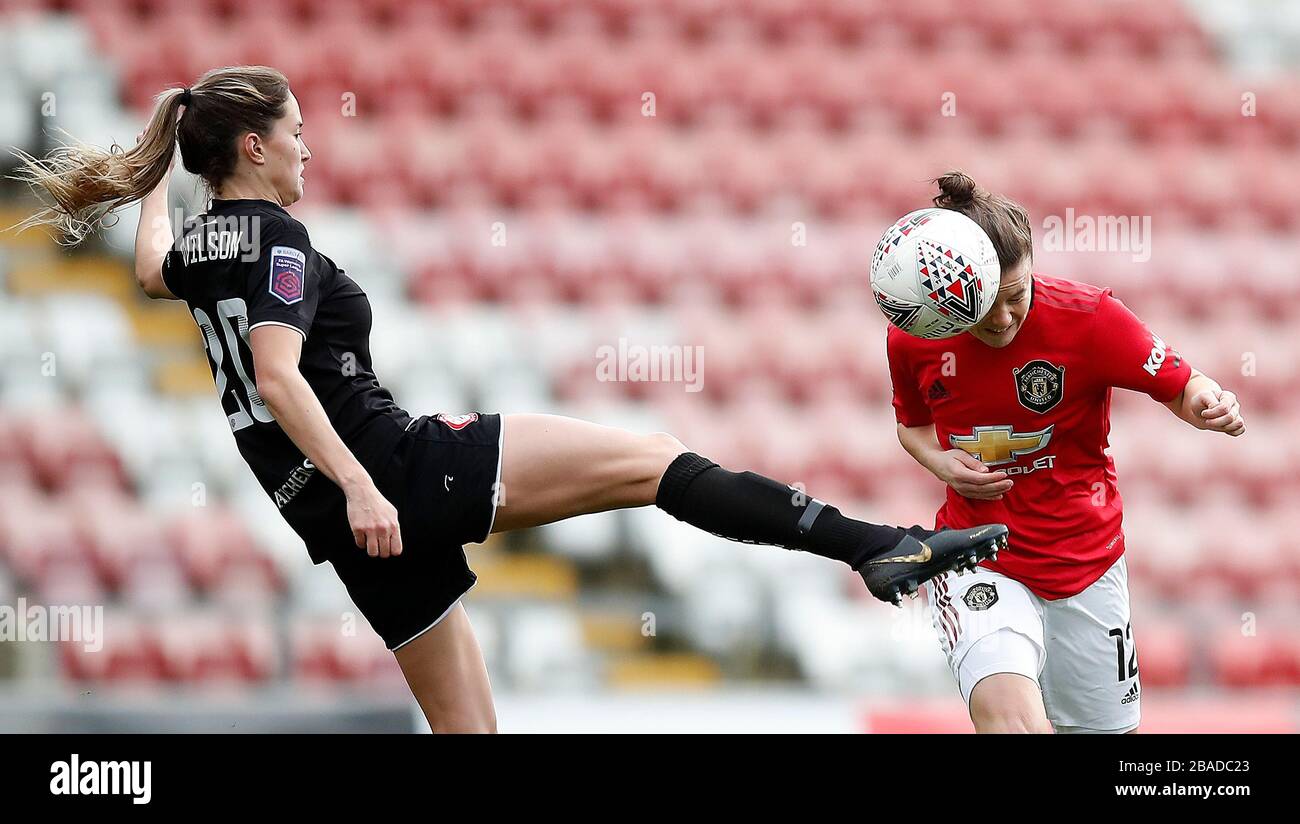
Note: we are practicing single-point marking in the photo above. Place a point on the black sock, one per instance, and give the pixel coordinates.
(751, 508)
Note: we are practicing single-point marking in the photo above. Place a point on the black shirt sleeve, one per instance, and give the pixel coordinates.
(171, 273)
(284, 281)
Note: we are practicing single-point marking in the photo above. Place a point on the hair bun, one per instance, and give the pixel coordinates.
(957, 190)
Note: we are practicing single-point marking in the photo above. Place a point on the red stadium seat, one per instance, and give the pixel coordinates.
(118, 534)
(126, 652)
(212, 544)
(323, 651)
(38, 534)
(1165, 653)
(62, 445)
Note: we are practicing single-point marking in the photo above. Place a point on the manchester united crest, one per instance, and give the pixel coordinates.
(1039, 385)
(980, 597)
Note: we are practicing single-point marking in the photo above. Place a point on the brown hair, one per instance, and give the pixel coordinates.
(1002, 219)
(86, 183)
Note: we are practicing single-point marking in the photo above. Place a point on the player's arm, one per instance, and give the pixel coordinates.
(1132, 357)
(153, 239)
(286, 393)
(1206, 405)
(955, 467)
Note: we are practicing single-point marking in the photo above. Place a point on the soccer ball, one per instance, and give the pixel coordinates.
(935, 273)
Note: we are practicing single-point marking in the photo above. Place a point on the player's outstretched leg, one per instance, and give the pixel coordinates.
(917, 559)
(555, 467)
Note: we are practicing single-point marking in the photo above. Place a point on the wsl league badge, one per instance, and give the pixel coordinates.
(1039, 385)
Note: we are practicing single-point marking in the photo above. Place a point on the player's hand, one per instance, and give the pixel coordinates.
(374, 522)
(970, 478)
(1219, 411)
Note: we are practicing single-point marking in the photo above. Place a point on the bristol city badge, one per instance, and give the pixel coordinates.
(1039, 385)
(457, 421)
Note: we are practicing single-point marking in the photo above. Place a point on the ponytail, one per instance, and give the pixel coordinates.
(81, 185)
(84, 184)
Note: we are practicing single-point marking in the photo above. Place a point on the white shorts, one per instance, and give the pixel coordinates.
(1079, 650)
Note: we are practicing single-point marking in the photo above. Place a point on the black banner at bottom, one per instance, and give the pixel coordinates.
(269, 773)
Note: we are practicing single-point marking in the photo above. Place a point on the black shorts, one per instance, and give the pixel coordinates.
(443, 479)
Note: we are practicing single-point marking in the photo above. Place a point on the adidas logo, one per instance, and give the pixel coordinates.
(1132, 695)
(938, 391)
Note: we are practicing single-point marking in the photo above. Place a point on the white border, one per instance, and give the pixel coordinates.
(436, 621)
(279, 323)
(496, 486)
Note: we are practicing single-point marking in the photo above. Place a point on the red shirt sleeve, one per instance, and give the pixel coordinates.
(910, 409)
(1131, 356)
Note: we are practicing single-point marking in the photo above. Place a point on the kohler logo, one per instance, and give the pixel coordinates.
(1157, 356)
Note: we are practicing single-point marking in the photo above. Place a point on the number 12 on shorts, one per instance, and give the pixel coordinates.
(1122, 637)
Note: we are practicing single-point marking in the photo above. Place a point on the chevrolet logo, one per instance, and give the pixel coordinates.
(994, 445)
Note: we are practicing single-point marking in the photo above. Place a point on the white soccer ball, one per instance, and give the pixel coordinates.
(935, 273)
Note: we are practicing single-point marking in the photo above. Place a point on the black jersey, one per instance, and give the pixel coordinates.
(247, 263)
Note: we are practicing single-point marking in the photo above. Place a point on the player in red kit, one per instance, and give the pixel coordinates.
(1014, 418)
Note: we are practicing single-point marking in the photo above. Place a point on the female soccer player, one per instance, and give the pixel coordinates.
(1013, 417)
(387, 498)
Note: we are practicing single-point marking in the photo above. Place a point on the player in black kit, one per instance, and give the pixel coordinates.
(390, 499)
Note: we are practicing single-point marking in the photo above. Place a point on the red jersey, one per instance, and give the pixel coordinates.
(1039, 410)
